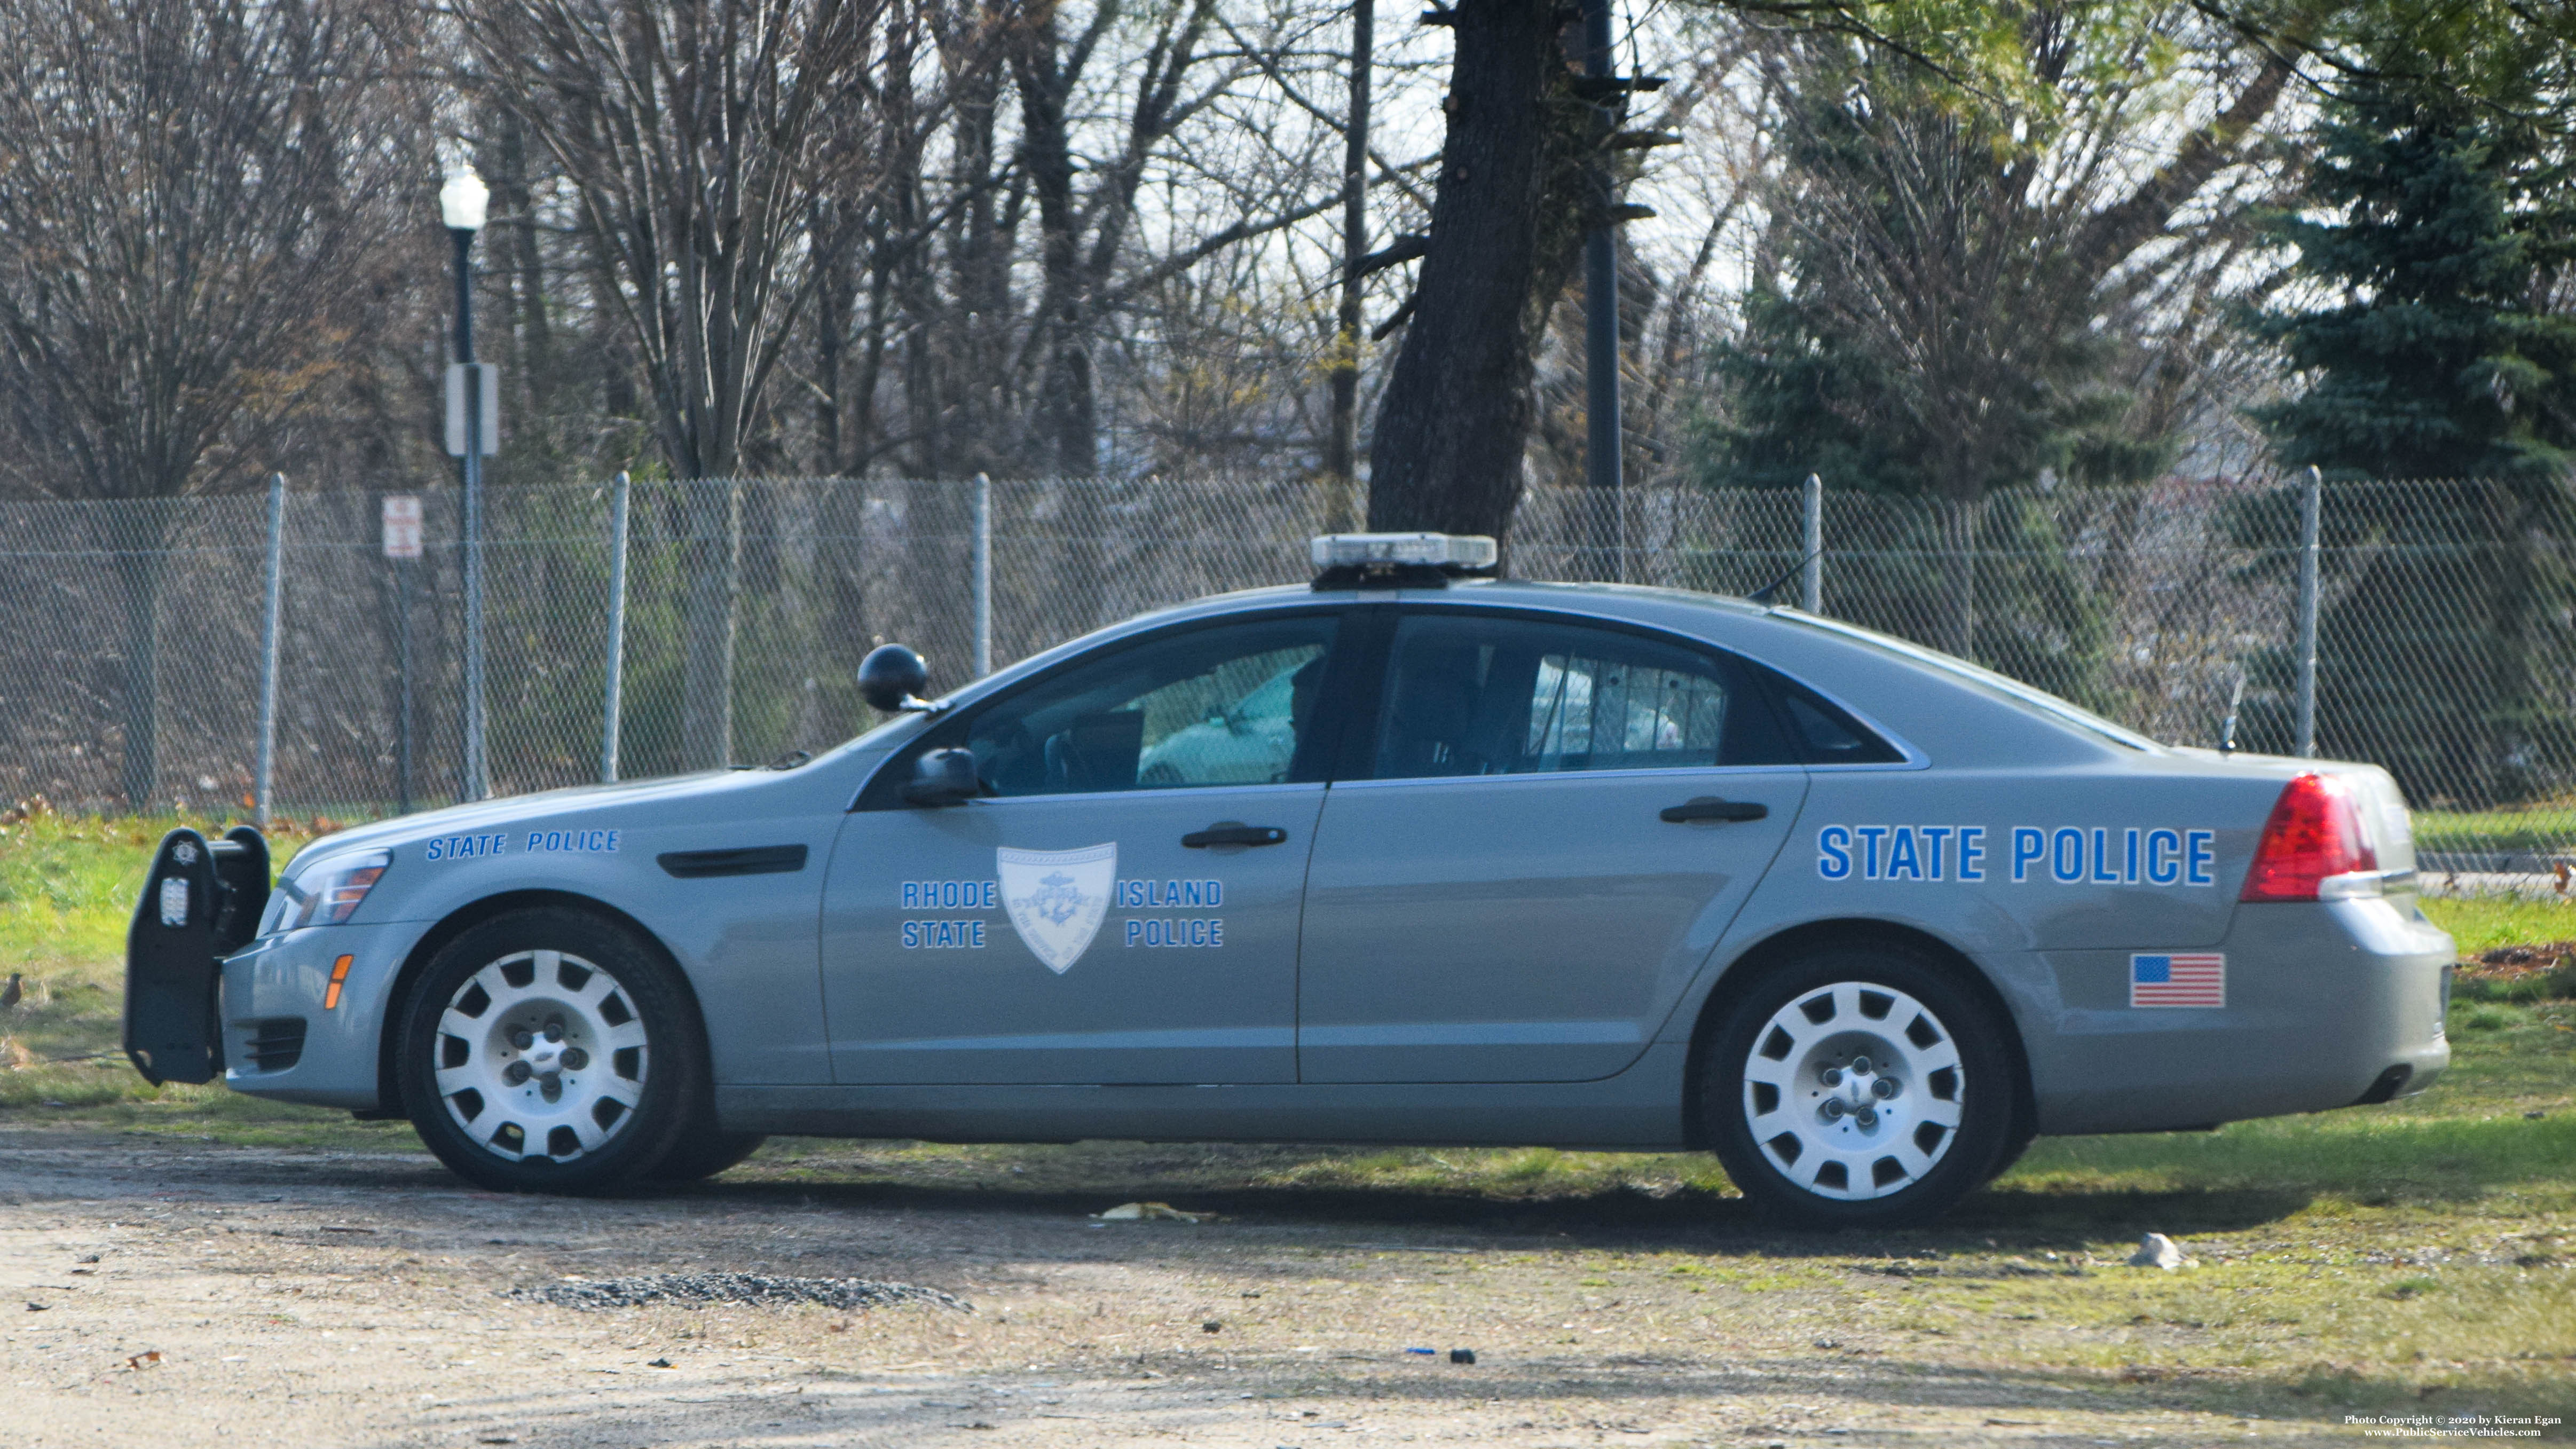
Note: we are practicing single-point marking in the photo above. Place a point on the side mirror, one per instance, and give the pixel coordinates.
(892, 678)
(943, 777)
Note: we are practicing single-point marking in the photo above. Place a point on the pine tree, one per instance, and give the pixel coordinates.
(2444, 227)
(2450, 225)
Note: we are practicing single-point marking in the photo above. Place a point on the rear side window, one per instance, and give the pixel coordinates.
(1477, 694)
(1825, 733)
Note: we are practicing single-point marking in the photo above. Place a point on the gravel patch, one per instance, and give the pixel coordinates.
(756, 1288)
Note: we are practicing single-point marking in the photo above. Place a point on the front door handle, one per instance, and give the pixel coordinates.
(1234, 832)
(1709, 807)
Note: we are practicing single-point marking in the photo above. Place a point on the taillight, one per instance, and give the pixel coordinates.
(2314, 834)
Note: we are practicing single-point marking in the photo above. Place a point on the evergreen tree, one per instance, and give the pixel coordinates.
(2444, 225)
(2450, 224)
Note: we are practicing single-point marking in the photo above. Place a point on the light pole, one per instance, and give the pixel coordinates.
(461, 203)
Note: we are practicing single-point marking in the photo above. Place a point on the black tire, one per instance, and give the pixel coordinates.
(2017, 1143)
(615, 1112)
(1800, 1115)
(701, 1154)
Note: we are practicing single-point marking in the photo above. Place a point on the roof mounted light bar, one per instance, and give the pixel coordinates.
(1400, 560)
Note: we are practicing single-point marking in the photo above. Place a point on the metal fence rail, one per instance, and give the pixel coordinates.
(130, 670)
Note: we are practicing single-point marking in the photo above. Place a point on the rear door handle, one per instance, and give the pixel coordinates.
(1709, 807)
(1234, 832)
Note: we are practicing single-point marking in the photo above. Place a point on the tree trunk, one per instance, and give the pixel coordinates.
(1341, 439)
(1066, 426)
(512, 187)
(137, 536)
(1505, 225)
(712, 559)
(833, 304)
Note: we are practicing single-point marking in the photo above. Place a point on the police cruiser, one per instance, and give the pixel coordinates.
(1412, 855)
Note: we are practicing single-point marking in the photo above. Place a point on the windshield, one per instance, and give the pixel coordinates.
(1985, 679)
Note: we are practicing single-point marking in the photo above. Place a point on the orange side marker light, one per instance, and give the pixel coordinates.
(339, 974)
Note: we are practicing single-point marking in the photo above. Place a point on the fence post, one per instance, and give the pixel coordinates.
(983, 575)
(1811, 547)
(2311, 505)
(262, 789)
(402, 663)
(614, 696)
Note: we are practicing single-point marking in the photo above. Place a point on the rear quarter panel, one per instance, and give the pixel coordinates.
(2047, 854)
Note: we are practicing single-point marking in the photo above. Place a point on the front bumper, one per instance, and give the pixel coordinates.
(2326, 1003)
(282, 1042)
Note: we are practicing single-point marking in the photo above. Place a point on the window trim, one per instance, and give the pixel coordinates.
(1913, 759)
(884, 787)
(1360, 758)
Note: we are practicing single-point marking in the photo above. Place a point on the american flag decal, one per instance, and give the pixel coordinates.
(2197, 978)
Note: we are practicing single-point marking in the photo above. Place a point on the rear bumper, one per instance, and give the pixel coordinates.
(281, 1040)
(2328, 1005)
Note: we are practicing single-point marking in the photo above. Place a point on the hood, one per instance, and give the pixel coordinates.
(484, 815)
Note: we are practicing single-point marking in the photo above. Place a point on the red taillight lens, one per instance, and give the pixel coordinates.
(2315, 832)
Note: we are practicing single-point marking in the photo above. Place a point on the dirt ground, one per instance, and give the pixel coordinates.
(320, 1298)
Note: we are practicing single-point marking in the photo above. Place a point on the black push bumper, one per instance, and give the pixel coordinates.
(201, 902)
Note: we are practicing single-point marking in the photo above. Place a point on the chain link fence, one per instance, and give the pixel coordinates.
(130, 670)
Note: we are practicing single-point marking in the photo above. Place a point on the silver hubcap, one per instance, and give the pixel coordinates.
(1854, 1091)
(541, 1056)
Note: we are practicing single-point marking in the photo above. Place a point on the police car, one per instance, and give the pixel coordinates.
(1412, 855)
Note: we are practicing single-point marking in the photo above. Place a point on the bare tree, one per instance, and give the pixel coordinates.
(189, 190)
(1979, 255)
(700, 137)
(1456, 410)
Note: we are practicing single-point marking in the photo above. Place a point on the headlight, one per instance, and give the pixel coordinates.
(325, 893)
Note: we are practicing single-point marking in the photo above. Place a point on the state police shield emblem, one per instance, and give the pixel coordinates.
(1057, 898)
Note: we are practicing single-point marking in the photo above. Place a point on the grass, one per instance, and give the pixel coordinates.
(67, 890)
(2487, 923)
(2546, 828)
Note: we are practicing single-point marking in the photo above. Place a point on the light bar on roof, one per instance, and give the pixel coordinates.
(1433, 550)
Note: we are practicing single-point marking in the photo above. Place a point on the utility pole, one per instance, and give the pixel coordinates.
(1601, 279)
(1341, 444)
(1604, 438)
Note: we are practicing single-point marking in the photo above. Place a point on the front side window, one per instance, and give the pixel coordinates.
(1228, 705)
(1501, 695)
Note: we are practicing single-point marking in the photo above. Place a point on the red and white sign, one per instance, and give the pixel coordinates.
(402, 525)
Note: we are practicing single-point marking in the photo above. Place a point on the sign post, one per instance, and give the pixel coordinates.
(473, 434)
(402, 545)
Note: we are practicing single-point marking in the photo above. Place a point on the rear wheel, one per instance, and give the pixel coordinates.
(548, 1050)
(1858, 1086)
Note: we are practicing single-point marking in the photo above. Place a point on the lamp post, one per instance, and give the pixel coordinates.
(461, 204)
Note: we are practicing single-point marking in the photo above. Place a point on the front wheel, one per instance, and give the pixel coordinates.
(1859, 1087)
(549, 1051)
(702, 1152)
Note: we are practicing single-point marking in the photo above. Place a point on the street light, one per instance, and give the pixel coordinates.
(461, 204)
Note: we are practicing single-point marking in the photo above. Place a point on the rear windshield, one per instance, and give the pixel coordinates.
(1987, 680)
